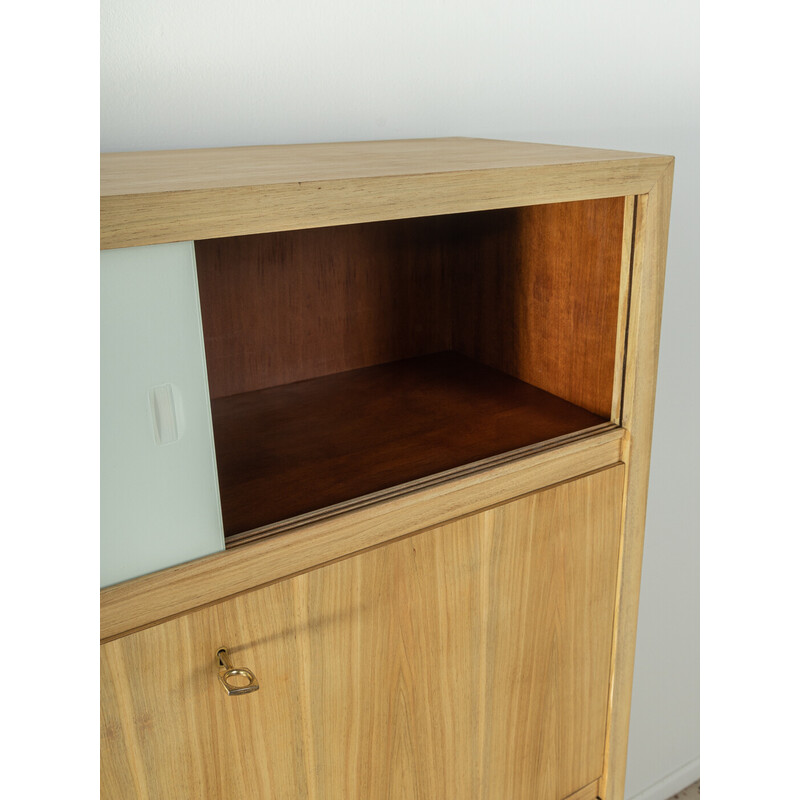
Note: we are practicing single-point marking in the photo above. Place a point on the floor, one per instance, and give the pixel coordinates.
(689, 793)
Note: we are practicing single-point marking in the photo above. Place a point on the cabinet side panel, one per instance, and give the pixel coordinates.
(638, 404)
(537, 296)
(468, 661)
(159, 502)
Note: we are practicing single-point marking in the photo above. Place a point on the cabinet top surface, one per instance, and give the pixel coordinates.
(164, 196)
(181, 170)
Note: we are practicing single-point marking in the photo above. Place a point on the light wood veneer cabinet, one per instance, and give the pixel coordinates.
(429, 369)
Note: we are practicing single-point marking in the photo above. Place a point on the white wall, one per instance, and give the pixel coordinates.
(614, 74)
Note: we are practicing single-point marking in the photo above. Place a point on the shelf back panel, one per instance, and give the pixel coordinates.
(531, 291)
(285, 307)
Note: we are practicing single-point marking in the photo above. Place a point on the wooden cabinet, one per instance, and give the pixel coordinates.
(470, 660)
(430, 370)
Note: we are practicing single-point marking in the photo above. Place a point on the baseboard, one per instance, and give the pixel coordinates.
(671, 784)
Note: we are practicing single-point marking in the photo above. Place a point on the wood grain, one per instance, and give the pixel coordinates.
(286, 307)
(534, 292)
(226, 167)
(531, 291)
(537, 297)
(641, 367)
(193, 195)
(183, 195)
(623, 307)
(152, 598)
(292, 449)
(469, 661)
(590, 792)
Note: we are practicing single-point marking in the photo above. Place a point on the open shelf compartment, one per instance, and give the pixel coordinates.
(346, 361)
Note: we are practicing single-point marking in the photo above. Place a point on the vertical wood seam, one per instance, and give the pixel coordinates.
(618, 410)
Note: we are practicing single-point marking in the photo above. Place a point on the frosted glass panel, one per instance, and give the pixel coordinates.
(159, 497)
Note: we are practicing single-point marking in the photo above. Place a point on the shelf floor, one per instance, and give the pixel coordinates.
(289, 450)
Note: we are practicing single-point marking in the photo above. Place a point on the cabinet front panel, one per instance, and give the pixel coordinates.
(159, 498)
(467, 661)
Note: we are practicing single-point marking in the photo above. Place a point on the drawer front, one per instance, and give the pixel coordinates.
(467, 661)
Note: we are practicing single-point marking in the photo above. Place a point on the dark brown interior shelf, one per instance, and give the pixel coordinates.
(357, 359)
(291, 449)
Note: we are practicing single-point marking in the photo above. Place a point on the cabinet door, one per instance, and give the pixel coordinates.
(159, 498)
(466, 661)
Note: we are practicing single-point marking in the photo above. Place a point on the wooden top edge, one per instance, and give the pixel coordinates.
(160, 171)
